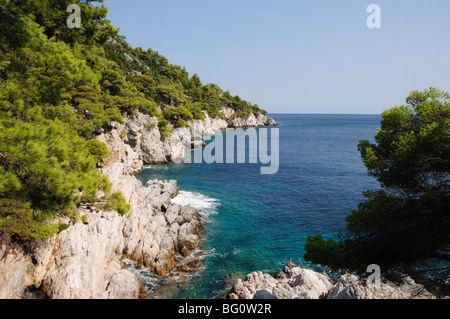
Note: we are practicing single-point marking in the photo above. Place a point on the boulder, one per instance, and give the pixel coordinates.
(296, 282)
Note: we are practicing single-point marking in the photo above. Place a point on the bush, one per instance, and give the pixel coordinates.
(177, 113)
(118, 203)
(98, 149)
(49, 172)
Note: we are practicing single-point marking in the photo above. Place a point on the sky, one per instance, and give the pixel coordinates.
(294, 56)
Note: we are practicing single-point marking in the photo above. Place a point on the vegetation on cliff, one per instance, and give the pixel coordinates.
(408, 219)
(58, 88)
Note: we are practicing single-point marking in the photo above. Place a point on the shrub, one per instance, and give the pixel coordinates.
(117, 202)
(98, 149)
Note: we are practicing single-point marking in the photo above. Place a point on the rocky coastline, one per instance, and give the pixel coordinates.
(85, 261)
(297, 282)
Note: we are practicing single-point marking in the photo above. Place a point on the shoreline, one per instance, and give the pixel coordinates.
(112, 257)
(209, 126)
(298, 282)
(82, 261)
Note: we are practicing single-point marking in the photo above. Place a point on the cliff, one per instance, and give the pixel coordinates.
(85, 260)
(144, 144)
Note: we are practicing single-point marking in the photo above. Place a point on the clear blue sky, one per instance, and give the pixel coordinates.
(293, 56)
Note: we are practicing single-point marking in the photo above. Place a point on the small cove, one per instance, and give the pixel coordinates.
(258, 222)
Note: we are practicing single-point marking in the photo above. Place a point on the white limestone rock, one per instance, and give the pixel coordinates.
(295, 282)
(350, 287)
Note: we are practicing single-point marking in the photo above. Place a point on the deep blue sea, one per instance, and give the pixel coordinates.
(258, 222)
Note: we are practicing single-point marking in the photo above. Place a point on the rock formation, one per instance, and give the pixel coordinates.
(138, 141)
(85, 260)
(295, 282)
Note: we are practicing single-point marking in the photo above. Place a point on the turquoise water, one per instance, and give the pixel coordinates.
(258, 222)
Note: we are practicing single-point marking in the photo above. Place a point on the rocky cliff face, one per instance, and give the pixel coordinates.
(85, 260)
(252, 121)
(295, 282)
(138, 141)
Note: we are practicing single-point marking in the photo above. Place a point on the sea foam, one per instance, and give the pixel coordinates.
(156, 167)
(205, 205)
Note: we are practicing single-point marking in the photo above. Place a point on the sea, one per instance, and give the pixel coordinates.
(258, 222)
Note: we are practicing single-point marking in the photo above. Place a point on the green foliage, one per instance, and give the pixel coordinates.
(196, 111)
(170, 85)
(210, 100)
(242, 107)
(150, 126)
(97, 149)
(179, 114)
(26, 226)
(163, 126)
(409, 218)
(145, 84)
(59, 88)
(9, 182)
(329, 252)
(49, 171)
(170, 94)
(50, 158)
(118, 203)
(412, 153)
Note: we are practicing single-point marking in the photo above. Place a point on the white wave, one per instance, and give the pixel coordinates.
(156, 167)
(205, 205)
(236, 251)
(212, 253)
